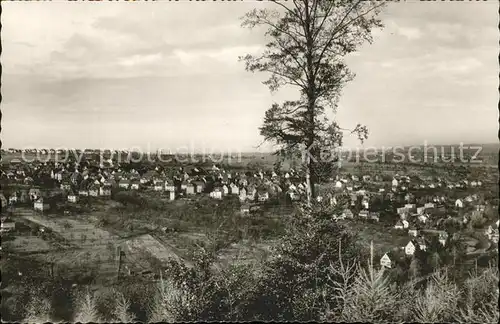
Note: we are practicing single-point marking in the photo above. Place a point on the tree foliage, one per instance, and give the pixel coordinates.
(309, 41)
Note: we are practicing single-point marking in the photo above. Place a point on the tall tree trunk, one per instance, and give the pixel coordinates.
(310, 104)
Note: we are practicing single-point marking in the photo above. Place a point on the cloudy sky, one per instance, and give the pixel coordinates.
(151, 75)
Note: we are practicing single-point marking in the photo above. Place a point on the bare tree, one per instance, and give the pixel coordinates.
(309, 41)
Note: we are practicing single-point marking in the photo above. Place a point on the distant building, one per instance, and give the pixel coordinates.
(200, 186)
(7, 225)
(245, 209)
(263, 195)
(105, 191)
(410, 248)
(72, 197)
(190, 189)
(429, 205)
(443, 236)
(158, 185)
(375, 216)
(216, 193)
(124, 184)
(363, 214)
(243, 194)
(65, 185)
(41, 205)
(385, 261)
(234, 189)
(13, 198)
(94, 190)
(135, 185)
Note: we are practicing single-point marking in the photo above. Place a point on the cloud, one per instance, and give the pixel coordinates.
(458, 66)
(410, 33)
(136, 60)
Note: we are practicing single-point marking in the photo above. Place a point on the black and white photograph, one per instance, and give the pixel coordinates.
(239, 161)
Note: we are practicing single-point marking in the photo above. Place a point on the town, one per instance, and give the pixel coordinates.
(407, 211)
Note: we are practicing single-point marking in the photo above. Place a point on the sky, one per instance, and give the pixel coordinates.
(151, 75)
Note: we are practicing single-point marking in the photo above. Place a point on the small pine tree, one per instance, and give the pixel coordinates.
(86, 308)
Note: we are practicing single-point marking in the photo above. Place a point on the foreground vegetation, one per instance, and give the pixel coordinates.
(317, 271)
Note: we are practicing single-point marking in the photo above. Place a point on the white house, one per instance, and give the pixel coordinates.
(374, 216)
(72, 197)
(429, 205)
(394, 182)
(216, 194)
(252, 193)
(421, 244)
(245, 209)
(191, 189)
(65, 186)
(169, 185)
(94, 191)
(459, 203)
(13, 198)
(385, 261)
(422, 218)
(234, 189)
(124, 184)
(443, 236)
(347, 213)
(293, 195)
(158, 185)
(40, 205)
(105, 191)
(243, 194)
(410, 206)
(363, 214)
(413, 231)
(7, 226)
(409, 248)
(263, 196)
(405, 223)
(399, 225)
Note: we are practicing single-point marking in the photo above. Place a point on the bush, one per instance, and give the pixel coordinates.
(131, 198)
(477, 221)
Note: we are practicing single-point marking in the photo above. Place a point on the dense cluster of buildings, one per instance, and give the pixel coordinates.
(363, 196)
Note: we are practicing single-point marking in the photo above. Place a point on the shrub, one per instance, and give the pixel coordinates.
(477, 221)
(480, 298)
(86, 308)
(38, 308)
